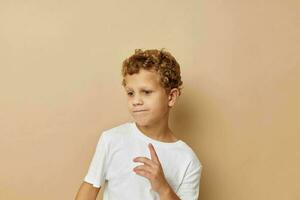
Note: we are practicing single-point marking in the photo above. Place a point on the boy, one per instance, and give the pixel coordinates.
(143, 160)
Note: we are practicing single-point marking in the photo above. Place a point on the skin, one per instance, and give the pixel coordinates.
(145, 92)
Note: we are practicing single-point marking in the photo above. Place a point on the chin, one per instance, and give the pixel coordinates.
(141, 122)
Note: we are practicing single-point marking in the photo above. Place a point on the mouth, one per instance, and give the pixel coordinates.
(138, 111)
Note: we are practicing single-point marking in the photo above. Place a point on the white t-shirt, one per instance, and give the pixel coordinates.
(113, 162)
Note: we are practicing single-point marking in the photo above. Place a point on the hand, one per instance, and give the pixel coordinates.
(152, 170)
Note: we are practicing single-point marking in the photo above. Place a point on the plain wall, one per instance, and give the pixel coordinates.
(60, 84)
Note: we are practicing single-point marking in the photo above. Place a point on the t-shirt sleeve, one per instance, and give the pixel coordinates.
(97, 170)
(189, 188)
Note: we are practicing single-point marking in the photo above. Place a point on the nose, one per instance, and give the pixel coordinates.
(137, 100)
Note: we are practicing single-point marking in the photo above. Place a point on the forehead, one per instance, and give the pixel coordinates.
(143, 79)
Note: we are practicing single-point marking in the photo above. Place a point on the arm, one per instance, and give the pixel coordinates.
(87, 192)
(169, 194)
(189, 188)
(95, 177)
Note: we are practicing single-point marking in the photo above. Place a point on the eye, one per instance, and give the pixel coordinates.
(129, 93)
(147, 92)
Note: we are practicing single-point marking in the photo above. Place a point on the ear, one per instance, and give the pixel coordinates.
(173, 96)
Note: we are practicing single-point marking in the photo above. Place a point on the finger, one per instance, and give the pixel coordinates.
(144, 167)
(154, 156)
(144, 160)
(143, 173)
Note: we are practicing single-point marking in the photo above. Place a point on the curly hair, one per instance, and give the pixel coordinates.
(160, 61)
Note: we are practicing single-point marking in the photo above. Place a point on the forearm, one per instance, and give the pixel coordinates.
(168, 194)
(85, 196)
(87, 192)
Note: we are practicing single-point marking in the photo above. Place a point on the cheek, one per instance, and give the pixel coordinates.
(128, 103)
(159, 105)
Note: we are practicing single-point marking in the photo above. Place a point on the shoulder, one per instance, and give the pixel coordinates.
(119, 129)
(116, 133)
(190, 155)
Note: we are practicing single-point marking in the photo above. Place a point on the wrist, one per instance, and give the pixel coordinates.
(165, 191)
(168, 194)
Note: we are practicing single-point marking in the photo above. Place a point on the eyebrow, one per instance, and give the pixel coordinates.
(141, 88)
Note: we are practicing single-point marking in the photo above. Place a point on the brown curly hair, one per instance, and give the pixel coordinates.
(159, 60)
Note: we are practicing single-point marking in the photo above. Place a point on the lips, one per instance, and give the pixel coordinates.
(139, 110)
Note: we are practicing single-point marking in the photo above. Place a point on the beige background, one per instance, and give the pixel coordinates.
(60, 85)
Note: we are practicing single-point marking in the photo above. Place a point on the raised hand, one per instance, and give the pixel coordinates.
(152, 170)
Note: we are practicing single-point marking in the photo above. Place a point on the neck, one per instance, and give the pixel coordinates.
(158, 131)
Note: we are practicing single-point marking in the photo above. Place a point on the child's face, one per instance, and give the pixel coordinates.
(148, 102)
